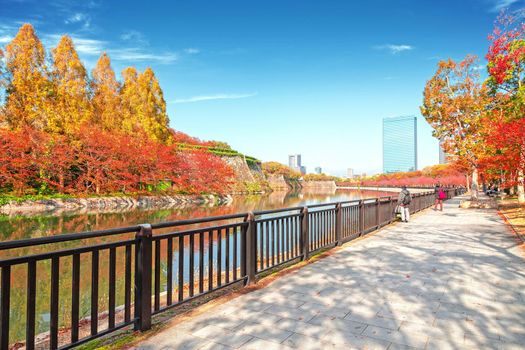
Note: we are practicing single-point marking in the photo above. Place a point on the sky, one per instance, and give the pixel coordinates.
(278, 77)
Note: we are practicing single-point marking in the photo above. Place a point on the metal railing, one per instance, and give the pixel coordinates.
(167, 264)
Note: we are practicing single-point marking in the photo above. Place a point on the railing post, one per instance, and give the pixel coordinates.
(338, 221)
(305, 235)
(361, 217)
(143, 278)
(378, 221)
(250, 249)
(391, 210)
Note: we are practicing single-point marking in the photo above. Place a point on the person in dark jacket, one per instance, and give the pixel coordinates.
(403, 201)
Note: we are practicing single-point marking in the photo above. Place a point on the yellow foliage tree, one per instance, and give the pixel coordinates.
(131, 100)
(106, 98)
(143, 105)
(71, 103)
(152, 114)
(28, 87)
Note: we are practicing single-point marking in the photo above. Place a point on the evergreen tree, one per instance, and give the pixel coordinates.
(28, 101)
(106, 98)
(71, 105)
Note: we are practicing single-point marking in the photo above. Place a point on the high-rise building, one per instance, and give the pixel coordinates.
(294, 162)
(399, 144)
(442, 155)
(318, 170)
(349, 173)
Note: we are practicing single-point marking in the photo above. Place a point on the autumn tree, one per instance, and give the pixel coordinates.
(71, 102)
(3, 122)
(152, 114)
(143, 105)
(106, 98)
(28, 87)
(506, 67)
(454, 104)
(131, 100)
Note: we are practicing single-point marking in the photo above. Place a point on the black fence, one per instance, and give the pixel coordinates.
(167, 264)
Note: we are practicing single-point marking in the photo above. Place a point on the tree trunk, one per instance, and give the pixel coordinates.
(475, 184)
(468, 182)
(521, 189)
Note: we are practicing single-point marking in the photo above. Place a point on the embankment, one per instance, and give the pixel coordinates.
(103, 204)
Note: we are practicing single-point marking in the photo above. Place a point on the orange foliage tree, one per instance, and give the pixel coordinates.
(59, 133)
(454, 104)
(506, 67)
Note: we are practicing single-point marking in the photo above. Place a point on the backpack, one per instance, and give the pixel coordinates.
(407, 199)
(441, 194)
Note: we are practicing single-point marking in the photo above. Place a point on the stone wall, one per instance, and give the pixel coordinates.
(104, 204)
(249, 178)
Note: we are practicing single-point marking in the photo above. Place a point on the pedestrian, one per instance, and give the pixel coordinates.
(441, 195)
(436, 195)
(404, 204)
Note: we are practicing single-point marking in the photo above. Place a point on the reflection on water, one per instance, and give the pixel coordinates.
(20, 227)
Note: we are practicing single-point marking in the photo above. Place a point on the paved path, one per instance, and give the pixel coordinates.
(446, 280)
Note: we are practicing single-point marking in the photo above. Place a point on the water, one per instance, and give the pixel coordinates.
(22, 227)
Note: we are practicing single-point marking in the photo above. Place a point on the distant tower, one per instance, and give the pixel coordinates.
(318, 170)
(399, 144)
(294, 162)
(442, 155)
(350, 173)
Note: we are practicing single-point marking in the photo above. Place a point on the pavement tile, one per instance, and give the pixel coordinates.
(446, 280)
(410, 339)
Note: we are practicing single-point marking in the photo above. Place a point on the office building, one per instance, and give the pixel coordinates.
(350, 173)
(443, 157)
(399, 144)
(318, 170)
(294, 162)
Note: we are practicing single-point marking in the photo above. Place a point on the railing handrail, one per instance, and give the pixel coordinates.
(67, 237)
(235, 252)
(136, 228)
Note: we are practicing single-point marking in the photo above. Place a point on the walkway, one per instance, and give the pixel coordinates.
(446, 280)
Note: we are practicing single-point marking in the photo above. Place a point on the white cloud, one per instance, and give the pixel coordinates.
(479, 67)
(134, 36)
(191, 50)
(4, 39)
(394, 49)
(214, 97)
(135, 54)
(79, 18)
(92, 47)
(498, 5)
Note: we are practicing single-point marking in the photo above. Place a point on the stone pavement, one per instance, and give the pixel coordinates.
(446, 280)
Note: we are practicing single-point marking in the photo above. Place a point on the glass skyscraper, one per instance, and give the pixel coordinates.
(399, 144)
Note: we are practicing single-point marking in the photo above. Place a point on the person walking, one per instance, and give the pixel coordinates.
(436, 195)
(404, 204)
(441, 195)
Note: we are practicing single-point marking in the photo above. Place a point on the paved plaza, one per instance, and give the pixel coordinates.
(446, 280)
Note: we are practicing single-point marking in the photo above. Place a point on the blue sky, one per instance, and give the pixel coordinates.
(277, 77)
